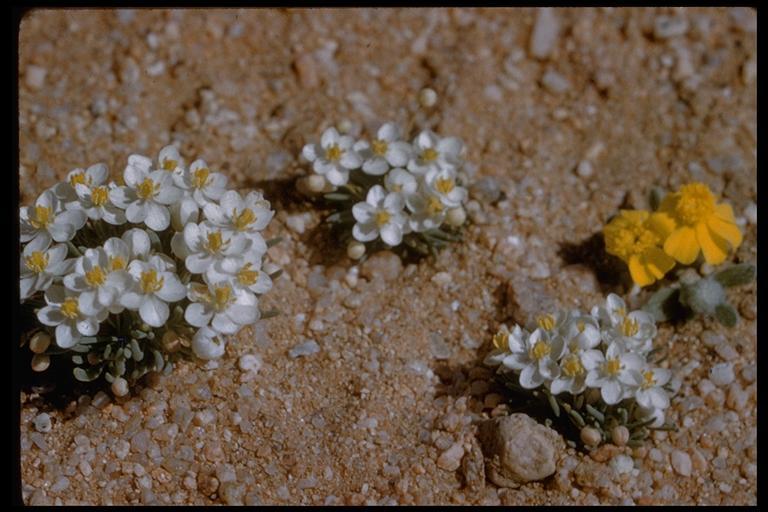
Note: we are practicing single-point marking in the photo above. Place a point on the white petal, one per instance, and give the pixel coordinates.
(363, 212)
(66, 336)
(132, 300)
(154, 311)
(530, 378)
(50, 315)
(391, 234)
(158, 217)
(88, 327)
(376, 195)
(611, 392)
(197, 315)
(329, 137)
(365, 232)
(223, 324)
(376, 166)
(351, 160)
(172, 289)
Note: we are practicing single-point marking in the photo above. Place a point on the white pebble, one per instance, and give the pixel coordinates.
(750, 212)
(681, 463)
(545, 33)
(249, 363)
(622, 464)
(307, 348)
(43, 423)
(721, 374)
(427, 98)
(666, 27)
(554, 82)
(120, 387)
(35, 77)
(585, 169)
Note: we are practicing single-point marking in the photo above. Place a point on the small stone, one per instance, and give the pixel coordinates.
(120, 386)
(666, 27)
(427, 98)
(681, 463)
(231, 493)
(622, 464)
(249, 363)
(207, 483)
(712, 338)
(384, 265)
(750, 213)
(442, 278)
(307, 348)
(585, 169)
(40, 342)
(590, 436)
(726, 351)
(554, 82)
(518, 449)
(620, 435)
(35, 77)
(100, 400)
(307, 483)
(40, 362)
(307, 70)
(450, 459)
(61, 484)
(43, 423)
(737, 397)
(545, 33)
(722, 374)
(486, 189)
(438, 347)
(473, 466)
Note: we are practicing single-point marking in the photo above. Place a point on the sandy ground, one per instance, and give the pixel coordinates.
(645, 100)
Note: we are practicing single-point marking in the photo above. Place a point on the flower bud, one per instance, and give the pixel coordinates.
(120, 386)
(456, 217)
(355, 250)
(39, 342)
(620, 435)
(316, 183)
(40, 362)
(590, 436)
(171, 342)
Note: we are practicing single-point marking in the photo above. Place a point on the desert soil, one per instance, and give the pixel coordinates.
(611, 102)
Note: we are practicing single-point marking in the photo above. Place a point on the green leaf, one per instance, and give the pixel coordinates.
(86, 375)
(655, 197)
(336, 196)
(664, 304)
(269, 314)
(553, 404)
(277, 273)
(274, 241)
(726, 315)
(736, 275)
(159, 361)
(595, 413)
(77, 359)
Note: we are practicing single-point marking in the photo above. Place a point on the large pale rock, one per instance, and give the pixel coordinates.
(517, 449)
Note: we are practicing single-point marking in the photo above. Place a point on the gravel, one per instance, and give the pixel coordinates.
(721, 374)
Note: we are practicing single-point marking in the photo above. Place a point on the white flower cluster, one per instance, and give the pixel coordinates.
(170, 236)
(570, 352)
(407, 187)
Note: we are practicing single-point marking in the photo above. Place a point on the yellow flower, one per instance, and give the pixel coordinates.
(702, 225)
(636, 236)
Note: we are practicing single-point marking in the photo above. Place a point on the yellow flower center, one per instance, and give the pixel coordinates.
(444, 185)
(246, 276)
(626, 236)
(382, 217)
(42, 218)
(37, 262)
(379, 147)
(95, 277)
(79, 178)
(243, 219)
(648, 380)
(99, 196)
(546, 322)
(539, 350)
(629, 326)
(333, 153)
(169, 164)
(150, 282)
(69, 308)
(222, 296)
(572, 366)
(200, 177)
(116, 263)
(695, 203)
(147, 188)
(434, 206)
(429, 155)
(581, 325)
(215, 241)
(501, 340)
(612, 366)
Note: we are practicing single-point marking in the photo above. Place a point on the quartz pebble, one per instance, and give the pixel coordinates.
(545, 33)
(427, 98)
(43, 423)
(307, 348)
(450, 459)
(721, 374)
(35, 77)
(249, 363)
(622, 464)
(681, 463)
(666, 27)
(554, 82)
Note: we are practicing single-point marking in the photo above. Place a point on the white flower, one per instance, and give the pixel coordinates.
(170, 160)
(380, 215)
(99, 286)
(242, 271)
(402, 181)
(634, 332)
(650, 393)
(428, 211)
(536, 357)
(247, 216)
(207, 344)
(63, 311)
(573, 374)
(145, 196)
(387, 150)
(433, 153)
(46, 220)
(612, 372)
(442, 183)
(41, 264)
(581, 335)
(133, 244)
(206, 244)
(154, 285)
(581, 332)
(503, 340)
(92, 195)
(557, 323)
(205, 186)
(229, 309)
(334, 157)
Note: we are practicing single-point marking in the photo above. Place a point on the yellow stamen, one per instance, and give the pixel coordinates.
(382, 217)
(200, 177)
(246, 276)
(243, 219)
(169, 164)
(546, 322)
(333, 153)
(43, 216)
(95, 276)
(539, 350)
(37, 262)
(648, 380)
(69, 308)
(150, 282)
(379, 147)
(116, 263)
(79, 178)
(147, 188)
(434, 206)
(612, 366)
(429, 155)
(572, 366)
(444, 185)
(629, 327)
(222, 295)
(501, 340)
(215, 241)
(581, 325)
(99, 196)
(695, 203)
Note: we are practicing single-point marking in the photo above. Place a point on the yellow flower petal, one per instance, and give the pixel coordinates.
(725, 212)
(727, 230)
(662, 224)
(639, 273)
(714, 247)
(634, 216)
(657, 262)
(682, 245)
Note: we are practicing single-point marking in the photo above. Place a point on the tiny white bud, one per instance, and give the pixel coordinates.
(456, 217)
(427, 97)
(345, 126)
(355, 250)
(40, 362)
(120, 386)
(39, 342)
(316, 183)
(590, 436)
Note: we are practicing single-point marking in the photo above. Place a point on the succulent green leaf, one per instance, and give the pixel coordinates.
(86, 375)
(726, 315)
(736, 275)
